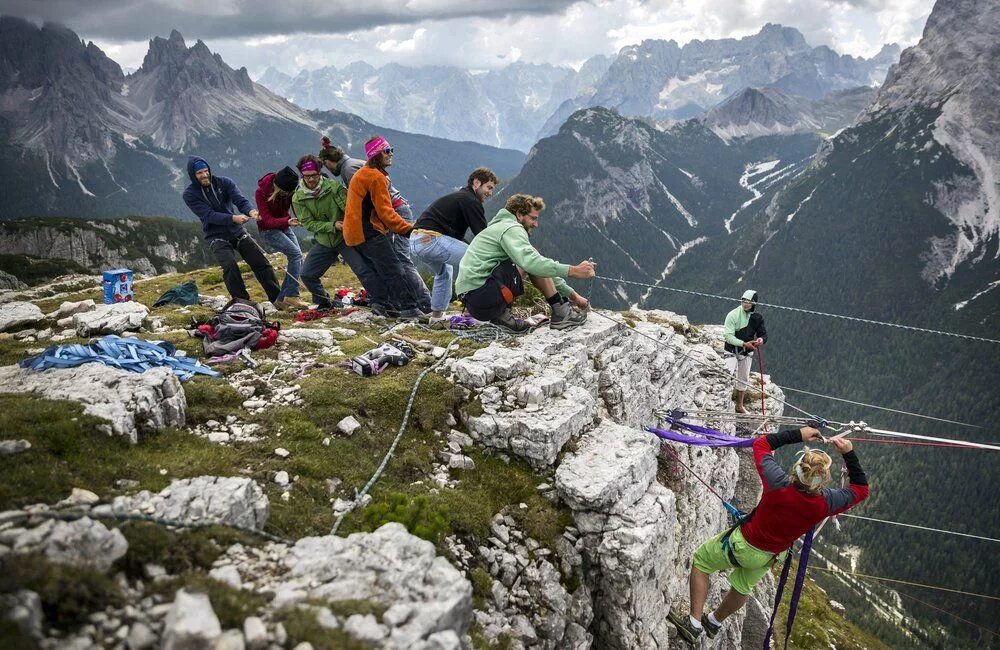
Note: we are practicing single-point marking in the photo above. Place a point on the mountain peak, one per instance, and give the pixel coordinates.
(176, 37)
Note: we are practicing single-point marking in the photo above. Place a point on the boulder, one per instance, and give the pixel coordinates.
(302, 335)
(133, 403)
(23, 608)
(67, 309)
(11, 447)
(191, 623)
(82, 542)
(19, 314)
(10, 282)
(348, 425)
(611, 470)
(390, 567)
(116, 318)
(232, 500)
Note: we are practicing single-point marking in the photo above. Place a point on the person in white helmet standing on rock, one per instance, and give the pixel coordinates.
(744, 333)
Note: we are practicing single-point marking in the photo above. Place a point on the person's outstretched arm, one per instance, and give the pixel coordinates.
(772, 476)
(840, 499)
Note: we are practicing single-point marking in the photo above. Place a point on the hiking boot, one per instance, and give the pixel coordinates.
(381, 311)
(282, 305)
(508, 323)
(565, 316)
(294, 302)
(685, 630)
(711, 629)
(414, 315)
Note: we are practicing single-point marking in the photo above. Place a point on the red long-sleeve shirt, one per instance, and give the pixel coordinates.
(273, 215)
(785, 511)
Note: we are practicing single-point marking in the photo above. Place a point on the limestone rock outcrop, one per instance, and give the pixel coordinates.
(132, 403)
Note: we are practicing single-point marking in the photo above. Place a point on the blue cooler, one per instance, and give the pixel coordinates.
(118, 286)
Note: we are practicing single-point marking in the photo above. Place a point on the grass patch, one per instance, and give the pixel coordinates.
(68, 594)
(177, 551)
(302, 627)
(68, 451)
(416, 513)
(494, 485)
(817, 625)
(482, 583)
(208, 398)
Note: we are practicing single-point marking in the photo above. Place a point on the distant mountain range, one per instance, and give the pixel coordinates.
(518, 104)
(503, 107)
(80, 138)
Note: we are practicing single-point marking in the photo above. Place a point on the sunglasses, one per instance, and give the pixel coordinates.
(387, 150)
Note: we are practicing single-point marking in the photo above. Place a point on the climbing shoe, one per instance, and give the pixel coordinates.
(565, 316)
(507, 322)
(711, 629)
(685, 630)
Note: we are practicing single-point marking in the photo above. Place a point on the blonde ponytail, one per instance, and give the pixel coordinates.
(812, 470)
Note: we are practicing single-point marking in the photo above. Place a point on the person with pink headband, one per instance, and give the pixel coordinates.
(343, 166)
(370, 222)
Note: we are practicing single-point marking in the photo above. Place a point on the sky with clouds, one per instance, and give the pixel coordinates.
(478, 34)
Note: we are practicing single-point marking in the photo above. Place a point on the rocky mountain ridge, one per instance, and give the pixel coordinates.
(756, 112)
(661, 80)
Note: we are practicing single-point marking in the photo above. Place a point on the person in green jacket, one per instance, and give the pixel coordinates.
(744, 333)
(319, 204)
(491, 273)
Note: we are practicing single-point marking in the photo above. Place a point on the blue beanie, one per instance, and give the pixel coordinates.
(201, 164)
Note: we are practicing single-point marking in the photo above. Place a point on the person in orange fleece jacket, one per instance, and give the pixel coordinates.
(367, 220)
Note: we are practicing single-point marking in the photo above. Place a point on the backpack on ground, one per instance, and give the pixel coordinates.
(240, 324)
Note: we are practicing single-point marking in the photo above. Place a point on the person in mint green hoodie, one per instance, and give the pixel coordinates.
(319, 204)
(491, 272)
(744, 334)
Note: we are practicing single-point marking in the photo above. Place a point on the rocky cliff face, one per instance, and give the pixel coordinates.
(597, 386)
(147, 246)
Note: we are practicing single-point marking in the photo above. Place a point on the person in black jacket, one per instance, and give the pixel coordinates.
(222, 209)
(437, 237)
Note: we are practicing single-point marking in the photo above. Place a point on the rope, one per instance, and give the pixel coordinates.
(881, 408)
(856, 319)
(936, 530)
(919, 444)
(898, 434)
(760, 367)
(171, 523)
(945, 611)
(484, 333)
(912, 584)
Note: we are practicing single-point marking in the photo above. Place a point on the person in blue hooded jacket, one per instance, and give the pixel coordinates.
(222, 209)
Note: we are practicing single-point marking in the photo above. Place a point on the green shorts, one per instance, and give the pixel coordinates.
(754, 563)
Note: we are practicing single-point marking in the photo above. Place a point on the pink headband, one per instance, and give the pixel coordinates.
(309, 166)
(376, 146)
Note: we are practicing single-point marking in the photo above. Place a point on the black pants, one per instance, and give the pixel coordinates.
(377, 251)
(489, 301)
(225, 253)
